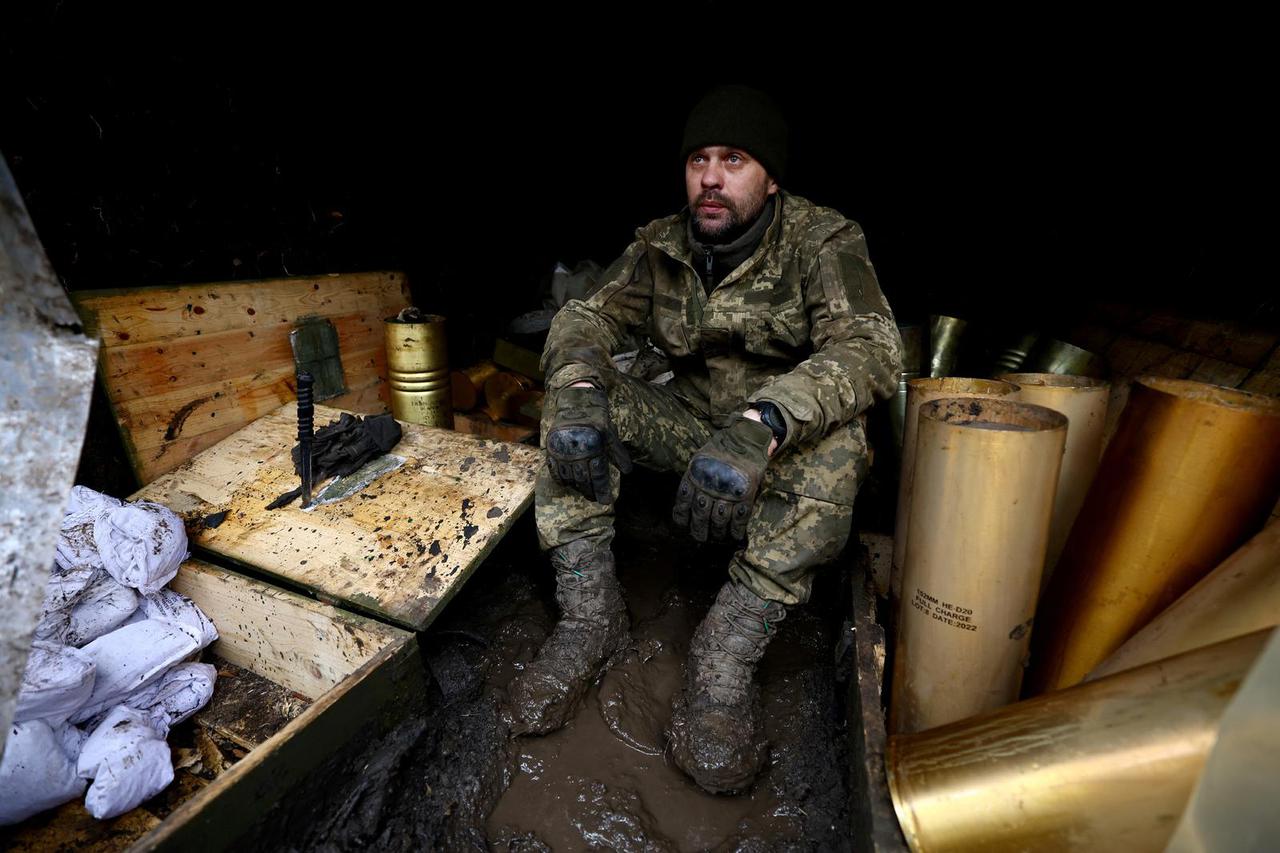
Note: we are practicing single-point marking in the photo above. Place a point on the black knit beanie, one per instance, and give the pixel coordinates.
(741, 117)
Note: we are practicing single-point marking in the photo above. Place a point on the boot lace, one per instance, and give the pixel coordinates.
(574, 575)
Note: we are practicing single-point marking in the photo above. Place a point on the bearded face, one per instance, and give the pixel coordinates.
(727, 189)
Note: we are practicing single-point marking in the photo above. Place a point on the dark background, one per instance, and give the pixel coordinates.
(1013, 168)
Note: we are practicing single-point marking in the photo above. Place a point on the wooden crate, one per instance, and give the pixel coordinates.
(339, 676)
(186, 366)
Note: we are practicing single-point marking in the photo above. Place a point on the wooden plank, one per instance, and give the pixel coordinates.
(382, 693)
(302, 645)
(185, 366)
(1132, 357)
(138, 371)
(150, 314)
(1218, 372)
(398, 549)
(478, 423)
(246, 708)
(197, 408)
(1263, 382)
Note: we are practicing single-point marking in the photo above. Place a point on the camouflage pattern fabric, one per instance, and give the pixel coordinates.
(790, 531)
(801, 323)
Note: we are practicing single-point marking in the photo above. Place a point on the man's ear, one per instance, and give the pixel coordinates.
(773, 186)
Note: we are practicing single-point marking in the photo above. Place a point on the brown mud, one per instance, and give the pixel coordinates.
(605, 781)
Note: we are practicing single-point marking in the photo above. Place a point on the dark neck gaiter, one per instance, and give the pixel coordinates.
(714, 261)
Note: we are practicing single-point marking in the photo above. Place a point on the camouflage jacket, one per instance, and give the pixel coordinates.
(801, 323)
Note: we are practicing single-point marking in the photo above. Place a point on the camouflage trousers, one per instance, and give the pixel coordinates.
(801, 517)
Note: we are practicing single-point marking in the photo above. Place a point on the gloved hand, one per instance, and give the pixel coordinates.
(717, 491)
(581, 443)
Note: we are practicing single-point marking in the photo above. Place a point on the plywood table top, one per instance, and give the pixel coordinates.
(398, 548)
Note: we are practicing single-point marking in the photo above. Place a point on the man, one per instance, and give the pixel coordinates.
(779, 338)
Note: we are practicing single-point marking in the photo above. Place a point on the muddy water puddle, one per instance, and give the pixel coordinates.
(605, 782)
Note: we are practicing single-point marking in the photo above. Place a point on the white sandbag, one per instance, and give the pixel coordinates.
(125, 782)
(101, 608)
(72, 739)
(57, 681)
(77, 548)
(141, 544)
(65, 585)
(169, 606)
(63, 589)
(35, 773)
(131, 657)
(128, 761)
(179, 693)
(53, 627)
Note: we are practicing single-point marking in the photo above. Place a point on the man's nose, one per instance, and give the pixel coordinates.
(712, 175)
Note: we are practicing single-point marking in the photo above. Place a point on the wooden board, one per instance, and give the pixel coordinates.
(398, 549)
(480, 424)
(246, 708)
(293, 641)
(186, 366)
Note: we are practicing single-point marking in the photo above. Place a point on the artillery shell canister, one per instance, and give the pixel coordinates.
(468, 385)
(1015, 353)
(919, 392)
(502, 394)
(1238, 597)
(1052, 356)
(1192, 472)
(418, 371)
(986, 474)
(1084, 401)
(944, 344)
(912, 365)
(1104, 766)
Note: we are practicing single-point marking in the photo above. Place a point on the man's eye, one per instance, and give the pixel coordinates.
(735, 159)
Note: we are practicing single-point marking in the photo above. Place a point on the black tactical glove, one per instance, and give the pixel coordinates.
(717, 491)
(581, 443)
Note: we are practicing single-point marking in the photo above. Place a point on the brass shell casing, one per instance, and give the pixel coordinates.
(1015, 352)
(912, 364)
(986, 474)
(1192, 471)
(468, 385)
(1084, 401)
(919, 392)
(944, 344)
(418, 371)
(1051, 356)
(1238, 597)
(1104, 766)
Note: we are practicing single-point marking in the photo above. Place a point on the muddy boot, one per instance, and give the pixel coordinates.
(593, 625)
(716, 734)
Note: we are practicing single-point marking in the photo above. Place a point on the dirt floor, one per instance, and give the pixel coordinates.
(456, 780)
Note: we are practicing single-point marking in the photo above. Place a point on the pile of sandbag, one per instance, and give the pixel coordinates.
(112, 667)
